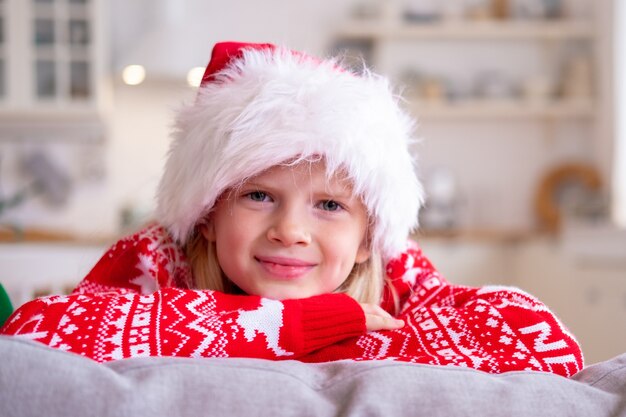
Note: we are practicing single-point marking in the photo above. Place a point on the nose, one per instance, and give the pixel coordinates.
(288, 229)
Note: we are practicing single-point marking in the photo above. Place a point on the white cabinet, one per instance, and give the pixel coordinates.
(51, 58)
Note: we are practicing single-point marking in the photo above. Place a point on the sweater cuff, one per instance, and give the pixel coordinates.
(327, 319)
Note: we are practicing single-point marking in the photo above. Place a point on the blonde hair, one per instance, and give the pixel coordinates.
(365, 283)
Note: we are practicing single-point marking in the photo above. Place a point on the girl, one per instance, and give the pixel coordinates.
(288, 187)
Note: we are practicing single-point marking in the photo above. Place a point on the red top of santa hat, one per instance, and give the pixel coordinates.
(224, 52)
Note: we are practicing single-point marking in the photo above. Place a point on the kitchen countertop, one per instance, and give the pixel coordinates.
(36, 235)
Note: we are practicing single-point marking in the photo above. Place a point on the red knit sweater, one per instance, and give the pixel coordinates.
(136, 302)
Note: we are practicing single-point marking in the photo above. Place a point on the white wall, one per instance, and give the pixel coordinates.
(171, 36)
(139, 131)
(619, 171)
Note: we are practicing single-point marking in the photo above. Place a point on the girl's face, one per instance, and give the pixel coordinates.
(289, 233)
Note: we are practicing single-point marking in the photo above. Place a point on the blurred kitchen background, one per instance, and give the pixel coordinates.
(519, 103)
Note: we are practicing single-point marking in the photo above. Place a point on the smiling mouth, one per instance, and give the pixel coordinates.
(285, 268)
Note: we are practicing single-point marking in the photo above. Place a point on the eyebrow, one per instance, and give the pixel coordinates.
(253, 184)
(344, 195)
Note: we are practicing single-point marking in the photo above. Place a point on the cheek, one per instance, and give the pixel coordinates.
(227, 224)
(228, 238)
(235, 236)
(352, 237)
(230, 250)
(345, 247)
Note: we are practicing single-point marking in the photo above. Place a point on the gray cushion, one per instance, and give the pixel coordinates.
(36, 380)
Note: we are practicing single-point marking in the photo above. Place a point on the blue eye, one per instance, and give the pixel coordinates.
(330, 205)
(257, 196)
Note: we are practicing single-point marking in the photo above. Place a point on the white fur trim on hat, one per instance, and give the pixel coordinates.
(269, 107)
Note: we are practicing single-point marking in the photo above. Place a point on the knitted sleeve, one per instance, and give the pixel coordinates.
(492, 328)
(187, 323)
(135, 302)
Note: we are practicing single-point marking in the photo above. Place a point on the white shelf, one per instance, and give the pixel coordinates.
(387, 31)
(464, 30)
(502, 109)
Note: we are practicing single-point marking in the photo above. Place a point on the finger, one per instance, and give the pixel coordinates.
(382, 312)
(376, 322)
(376, 310)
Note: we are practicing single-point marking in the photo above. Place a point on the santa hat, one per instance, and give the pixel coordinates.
(260, 105)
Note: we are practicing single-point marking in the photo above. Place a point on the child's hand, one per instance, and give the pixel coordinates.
(378, 319)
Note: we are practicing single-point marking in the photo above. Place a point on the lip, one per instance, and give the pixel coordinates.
(285, 267)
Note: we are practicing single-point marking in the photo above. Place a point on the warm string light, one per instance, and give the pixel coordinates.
(134, 74)
(194, 76)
